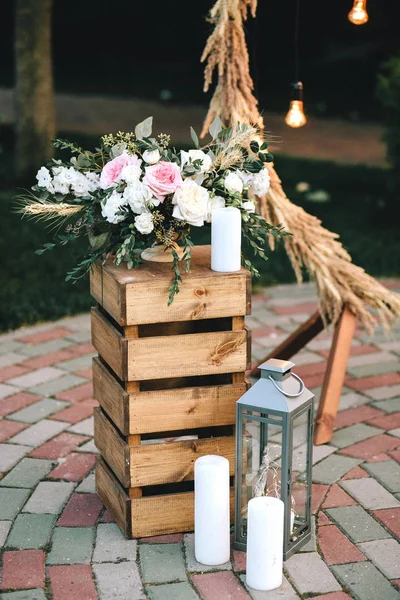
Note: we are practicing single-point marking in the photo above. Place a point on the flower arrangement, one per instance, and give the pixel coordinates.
(134, 191)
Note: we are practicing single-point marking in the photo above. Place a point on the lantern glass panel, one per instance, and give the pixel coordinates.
(300, 491)
(261, 459)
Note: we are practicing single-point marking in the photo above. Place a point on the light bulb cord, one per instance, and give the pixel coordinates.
(296, 42)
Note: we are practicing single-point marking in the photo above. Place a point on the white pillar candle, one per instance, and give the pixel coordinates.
(226, 239)
(211, 510)
(264, 543)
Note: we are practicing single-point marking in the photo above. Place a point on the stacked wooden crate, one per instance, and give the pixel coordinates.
(167, 380)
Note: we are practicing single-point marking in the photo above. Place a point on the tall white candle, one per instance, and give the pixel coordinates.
(211, 510)
(226, 239)
(264, 543)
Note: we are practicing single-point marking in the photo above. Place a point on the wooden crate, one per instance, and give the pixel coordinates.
(167, 380)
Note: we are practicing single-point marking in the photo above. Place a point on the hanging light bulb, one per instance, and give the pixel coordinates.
(358, 14)
(295, 116)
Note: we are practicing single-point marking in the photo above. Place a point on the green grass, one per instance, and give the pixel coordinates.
(33, 288)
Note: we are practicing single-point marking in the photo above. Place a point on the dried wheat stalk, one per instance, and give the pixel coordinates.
(339, 282)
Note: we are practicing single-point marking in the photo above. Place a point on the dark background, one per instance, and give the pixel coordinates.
(140, 48)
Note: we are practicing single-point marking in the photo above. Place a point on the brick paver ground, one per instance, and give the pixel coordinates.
(59, 542)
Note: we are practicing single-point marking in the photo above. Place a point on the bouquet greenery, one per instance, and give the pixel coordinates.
(135, 191)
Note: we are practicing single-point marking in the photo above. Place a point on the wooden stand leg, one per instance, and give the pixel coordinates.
(334, 377)
(295, 341)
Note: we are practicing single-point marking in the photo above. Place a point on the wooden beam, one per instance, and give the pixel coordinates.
(334, 377)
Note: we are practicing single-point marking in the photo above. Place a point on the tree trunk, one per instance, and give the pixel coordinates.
(34, 92)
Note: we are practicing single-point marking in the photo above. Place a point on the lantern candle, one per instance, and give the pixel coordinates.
(265, 543)
(226, 236)
(211, 510)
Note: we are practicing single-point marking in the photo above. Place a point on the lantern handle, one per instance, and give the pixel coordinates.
(286, 393)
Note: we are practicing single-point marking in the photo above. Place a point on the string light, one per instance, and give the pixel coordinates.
(358, 14)
(295, 116)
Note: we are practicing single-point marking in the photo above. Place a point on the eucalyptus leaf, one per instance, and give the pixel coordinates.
(215, 127)
(97, 241)
(117, 150)
(144, 129)
(194, 137)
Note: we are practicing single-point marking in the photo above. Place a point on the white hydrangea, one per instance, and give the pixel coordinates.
(233, 183)
(260, 182)
(249, 206)
(213, 203)
(43, 177)
(112, 207)
(131, 173)
(191, 203)
(144, 223)
(246, 177)
(93, 180)
(61, 180)
(137, 195)
(151, 157)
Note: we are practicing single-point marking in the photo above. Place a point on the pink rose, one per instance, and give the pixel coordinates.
(111, 172)
(163, 178)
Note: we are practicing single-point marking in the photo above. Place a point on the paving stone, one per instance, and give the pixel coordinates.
(384, 554)
(36, 594)
(11, 358)
(394, 454)
(239, 560)
(88, 447)
(393, 346)
(39, 433)
(357, 523)
(161, 563)
(27, 473)
(386, 421)
(332, 596)
(23, 569)
(4, 529)
(112, 546)
(17, 401)
(81, 349)
(81, 511)
(351, 400)
(388, 473)
(395, 432)
(310, 574)
(12, 371)
(75, 413)
(69, 582)
(59, 446)
(47, 360)
(49, 347)
(10, 428)
(364, 384)
(35, 377)
(118, 581)
(85, 427)
(191, 563)
(80, 336)
(44, 336)
(74, 467)
(390, 405)
(8, 346)
(172, 538)
(374, 369)
(172, 591)
(370, 493)
(38, 411)
(336, 548)
(356, 473)
(372, 447)
(365, 582)
(390, 518)
(358, 414)
(311, 546)
(369, 359)
(323, 519)
(88, 485)
(215, 586)
(79, 362)
(284, 592)
(321, 452)
(78, 393)
(49, 497)
(7, 390)
(337, 497)
(11, 502)
(353, 434)
(71, 545)
(10, 455)
(31, 531)
(52, 388)
(317, 495)
(332, 468)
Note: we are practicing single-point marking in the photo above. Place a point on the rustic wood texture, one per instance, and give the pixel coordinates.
(113, 496)
(334, 377)
(139, 296)
(110, 395)
(109, 343)
(111, 446)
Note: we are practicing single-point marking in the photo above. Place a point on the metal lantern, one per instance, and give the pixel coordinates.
(274, 432)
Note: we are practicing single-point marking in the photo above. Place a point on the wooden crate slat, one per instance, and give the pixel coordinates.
(113, 496)
(111, 396)
(156, 464)
(111, 446)
(109, 343)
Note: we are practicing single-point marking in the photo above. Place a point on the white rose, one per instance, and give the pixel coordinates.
(249, 206)
(131, 173)
(191, 203)
(246, 177)
(233, 183)
(137, 195)
(213, 203)
(43, 177)
(93, 180)
(260, 183)
(151, 157)
(200, 155)
(111, 211)
(144, 223)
